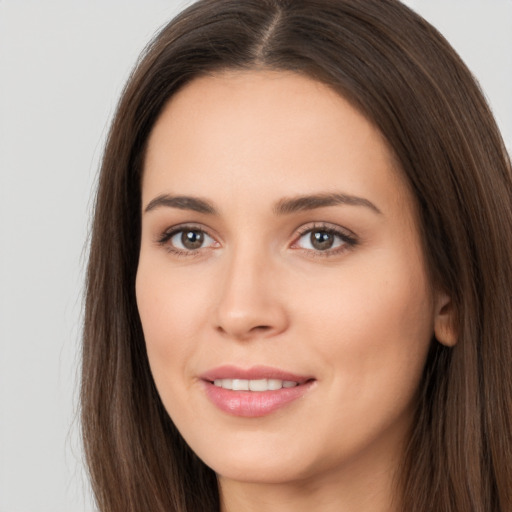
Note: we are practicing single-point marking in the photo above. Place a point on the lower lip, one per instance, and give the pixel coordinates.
(254, 404)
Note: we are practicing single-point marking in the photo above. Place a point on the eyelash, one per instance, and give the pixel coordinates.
(167, 236)
(347, 238)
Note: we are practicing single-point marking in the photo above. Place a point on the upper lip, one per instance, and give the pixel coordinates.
(252, 373)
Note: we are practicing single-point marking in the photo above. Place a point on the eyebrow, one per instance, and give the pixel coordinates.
(182, 203)
(284, 206)
(311, 202)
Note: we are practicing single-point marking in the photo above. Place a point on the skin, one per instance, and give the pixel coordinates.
(358, 317)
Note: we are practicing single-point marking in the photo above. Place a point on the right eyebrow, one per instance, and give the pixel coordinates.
(182, 203)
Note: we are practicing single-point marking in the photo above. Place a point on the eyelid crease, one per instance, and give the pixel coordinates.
(349, 238)
(344, 233)
(166, 236)
(169, 232)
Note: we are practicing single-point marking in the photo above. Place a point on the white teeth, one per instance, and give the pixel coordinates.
(274, 384)
(240, 385)
(254, 385)
(258, 385)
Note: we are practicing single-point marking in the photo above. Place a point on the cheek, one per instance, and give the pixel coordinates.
(374, 329)
(169, 318)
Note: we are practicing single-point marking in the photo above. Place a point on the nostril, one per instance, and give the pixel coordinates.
(261, 328)
(244, 332)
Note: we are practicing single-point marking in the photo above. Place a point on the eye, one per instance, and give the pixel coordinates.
(325, 239)
(186, 240)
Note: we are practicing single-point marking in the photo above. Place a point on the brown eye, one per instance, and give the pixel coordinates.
(192, 239)
(185, 240)
(326, 240)
(321, 240)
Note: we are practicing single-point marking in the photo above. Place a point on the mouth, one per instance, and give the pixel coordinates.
(256, 385)
(254, 392)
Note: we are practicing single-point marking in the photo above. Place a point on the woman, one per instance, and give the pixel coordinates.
(298, 293)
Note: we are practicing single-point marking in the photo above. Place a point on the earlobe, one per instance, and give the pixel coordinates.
(445, 325)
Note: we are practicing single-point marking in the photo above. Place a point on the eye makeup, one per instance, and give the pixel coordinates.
(317, 239)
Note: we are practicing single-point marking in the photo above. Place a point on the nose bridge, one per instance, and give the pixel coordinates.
(248, 303)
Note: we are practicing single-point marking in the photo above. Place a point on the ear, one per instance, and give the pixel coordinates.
(445, 324)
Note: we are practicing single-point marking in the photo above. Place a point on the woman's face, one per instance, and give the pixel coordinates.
(280, 256)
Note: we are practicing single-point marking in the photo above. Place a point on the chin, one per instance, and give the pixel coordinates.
(267, 460)
(256, 471)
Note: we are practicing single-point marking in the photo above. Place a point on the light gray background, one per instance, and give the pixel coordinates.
(62, 66)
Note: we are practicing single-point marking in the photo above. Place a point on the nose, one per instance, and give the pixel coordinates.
(250, 303)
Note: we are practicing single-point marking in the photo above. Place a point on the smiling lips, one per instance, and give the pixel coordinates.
(258, 385)
(255, 392)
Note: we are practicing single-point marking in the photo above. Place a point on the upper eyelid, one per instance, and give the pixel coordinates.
(163, 239)
(190, 226)
(326, 226)
(297, 233)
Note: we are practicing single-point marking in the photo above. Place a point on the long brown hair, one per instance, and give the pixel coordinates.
(403, 76)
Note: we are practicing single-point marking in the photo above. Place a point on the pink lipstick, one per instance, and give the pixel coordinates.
(253, 392)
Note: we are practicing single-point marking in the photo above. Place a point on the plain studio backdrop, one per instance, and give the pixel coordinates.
(62, 67)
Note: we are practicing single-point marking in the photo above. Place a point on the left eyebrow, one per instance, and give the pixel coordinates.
(310, 202)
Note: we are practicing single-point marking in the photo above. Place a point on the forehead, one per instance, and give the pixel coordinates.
(278, 128)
